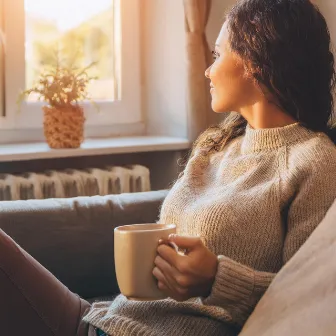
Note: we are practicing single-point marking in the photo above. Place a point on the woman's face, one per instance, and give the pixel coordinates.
(231, 88)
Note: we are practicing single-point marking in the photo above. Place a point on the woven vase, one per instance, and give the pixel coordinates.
(64, 127)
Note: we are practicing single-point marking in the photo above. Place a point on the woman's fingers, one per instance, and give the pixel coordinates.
(169, 254)
(163, 284)
(174, 291)
(185, 242)
(159, 275)
(169, 271)
(178, 284)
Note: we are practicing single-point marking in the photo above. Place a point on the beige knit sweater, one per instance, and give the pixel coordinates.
(255, 204)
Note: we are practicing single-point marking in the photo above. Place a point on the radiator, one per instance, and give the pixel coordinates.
(73, 183)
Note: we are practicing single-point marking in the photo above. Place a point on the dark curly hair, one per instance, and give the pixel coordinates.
(287, 49)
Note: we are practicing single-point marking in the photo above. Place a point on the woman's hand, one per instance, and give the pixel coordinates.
(182, 277)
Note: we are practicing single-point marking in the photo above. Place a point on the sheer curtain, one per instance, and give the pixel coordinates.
(198, 59)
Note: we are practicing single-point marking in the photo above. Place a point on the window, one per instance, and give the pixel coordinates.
(77, 32)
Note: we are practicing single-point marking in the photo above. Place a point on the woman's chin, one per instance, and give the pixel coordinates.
(221, 105)
(216, 108)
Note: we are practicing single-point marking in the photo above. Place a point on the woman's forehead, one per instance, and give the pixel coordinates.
(223, 36)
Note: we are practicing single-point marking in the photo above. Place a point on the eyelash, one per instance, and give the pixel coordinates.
(215, 55)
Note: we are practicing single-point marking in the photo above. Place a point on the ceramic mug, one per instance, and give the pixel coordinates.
(135, 249)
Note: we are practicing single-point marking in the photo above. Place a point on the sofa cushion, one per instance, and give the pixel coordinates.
(74, 238)
(302, 298)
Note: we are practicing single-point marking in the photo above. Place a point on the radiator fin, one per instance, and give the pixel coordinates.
(73, 183)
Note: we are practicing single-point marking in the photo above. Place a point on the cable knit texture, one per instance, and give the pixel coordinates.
(253, 204)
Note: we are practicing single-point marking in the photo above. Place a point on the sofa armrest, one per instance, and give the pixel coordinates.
(73, 238)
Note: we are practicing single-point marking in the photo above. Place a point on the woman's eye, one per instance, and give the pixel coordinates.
(215, 55)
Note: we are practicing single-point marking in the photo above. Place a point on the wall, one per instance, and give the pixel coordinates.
(217, 15)
(163, 67)
(216, 20)
(163, 63)
(328, 9)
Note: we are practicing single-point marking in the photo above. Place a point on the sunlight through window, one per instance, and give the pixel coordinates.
(77, 33)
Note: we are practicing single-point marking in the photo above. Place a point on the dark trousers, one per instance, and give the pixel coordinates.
(32, 301)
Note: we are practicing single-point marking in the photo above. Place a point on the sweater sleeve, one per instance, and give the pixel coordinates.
(238, 288)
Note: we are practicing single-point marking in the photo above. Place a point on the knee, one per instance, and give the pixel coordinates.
(8, 248)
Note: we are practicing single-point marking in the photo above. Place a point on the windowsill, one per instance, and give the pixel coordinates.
(91, 147)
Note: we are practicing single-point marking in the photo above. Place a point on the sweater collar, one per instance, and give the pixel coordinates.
(256, 140)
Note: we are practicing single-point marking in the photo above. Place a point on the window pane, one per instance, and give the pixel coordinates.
(78, 33)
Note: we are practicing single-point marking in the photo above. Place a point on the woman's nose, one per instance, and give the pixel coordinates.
(207, 72)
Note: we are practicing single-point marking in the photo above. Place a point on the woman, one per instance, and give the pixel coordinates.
(253, 191)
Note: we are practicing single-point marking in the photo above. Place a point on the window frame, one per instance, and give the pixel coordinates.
(125, 111)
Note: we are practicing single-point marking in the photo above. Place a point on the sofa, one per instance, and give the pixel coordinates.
(73, 238)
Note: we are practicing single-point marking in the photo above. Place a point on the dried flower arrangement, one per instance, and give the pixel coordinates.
(62, 88)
